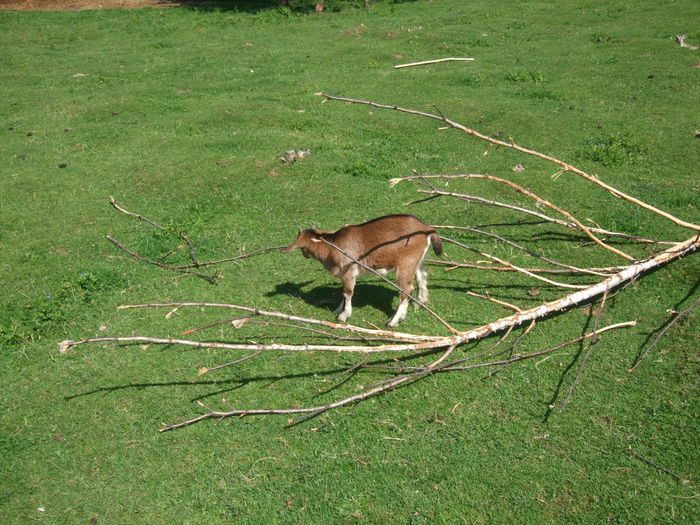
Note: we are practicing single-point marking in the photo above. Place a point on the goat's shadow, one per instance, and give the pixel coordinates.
(329, 296)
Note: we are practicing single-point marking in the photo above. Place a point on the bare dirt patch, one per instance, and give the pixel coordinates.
(77, 5)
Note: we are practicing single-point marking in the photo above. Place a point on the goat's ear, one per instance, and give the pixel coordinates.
(315, 239)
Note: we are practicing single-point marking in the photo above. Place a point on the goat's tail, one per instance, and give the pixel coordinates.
(437, 243)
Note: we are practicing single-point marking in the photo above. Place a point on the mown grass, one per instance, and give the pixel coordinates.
(182, 115)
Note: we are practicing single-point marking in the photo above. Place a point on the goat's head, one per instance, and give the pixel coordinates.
(304, 242)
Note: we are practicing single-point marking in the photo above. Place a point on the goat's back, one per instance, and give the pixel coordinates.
(383, 242)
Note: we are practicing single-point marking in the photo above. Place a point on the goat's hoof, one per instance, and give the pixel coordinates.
(342, 318)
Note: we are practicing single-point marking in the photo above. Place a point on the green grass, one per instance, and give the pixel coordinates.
(182, 115)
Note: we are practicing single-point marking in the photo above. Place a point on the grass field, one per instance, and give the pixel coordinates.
(182, 115)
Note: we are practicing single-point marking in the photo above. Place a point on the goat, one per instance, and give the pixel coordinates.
(393, 242)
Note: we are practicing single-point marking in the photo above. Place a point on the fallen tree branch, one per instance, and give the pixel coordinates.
(480, 200)
(515, 268)
(328, 336)
(427, 343)
(512, 145)
(182, 268)
(604, 271)
(568, 267)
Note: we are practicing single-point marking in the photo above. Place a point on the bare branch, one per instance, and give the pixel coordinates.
(571, 269)
(656, 465)
(480, 200)
(548, 204)
(210, 278)
(606, 272)
(563, 165)
(516, 268)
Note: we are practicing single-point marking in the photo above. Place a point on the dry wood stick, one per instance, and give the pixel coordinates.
(454, 365)
(393, 335)
(605, 272)
(435, 61)
(266, 347)
(655, 465)
(230, 259)
(193, 251)
(665, 329)
(563, 165)
(679, 250)
(316, 409)
(493, 300)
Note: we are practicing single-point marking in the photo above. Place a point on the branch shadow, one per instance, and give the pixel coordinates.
(233, 384)
(560, 383)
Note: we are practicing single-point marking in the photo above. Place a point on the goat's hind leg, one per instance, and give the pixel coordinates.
(422, 280)
(405, 280)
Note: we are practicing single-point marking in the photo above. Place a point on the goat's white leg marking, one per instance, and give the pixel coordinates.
(405, 281)
(345, 307)
(400, 314)
(422, 279)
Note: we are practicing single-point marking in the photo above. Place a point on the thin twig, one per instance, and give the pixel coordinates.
(450, 59)
(193, 251)
(544, 202)
(665, 329)
(524, 249)
(454, 365)
(656, 465)
(480, 200)
(210, 278)
(493, 300)
(453, 265)
(230, 259)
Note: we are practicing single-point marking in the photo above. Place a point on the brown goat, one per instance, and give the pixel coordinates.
(394, 242)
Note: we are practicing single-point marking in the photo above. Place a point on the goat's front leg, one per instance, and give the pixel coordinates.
(344, 310)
